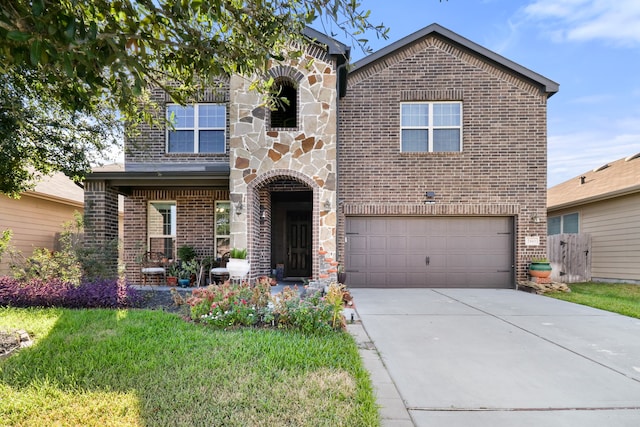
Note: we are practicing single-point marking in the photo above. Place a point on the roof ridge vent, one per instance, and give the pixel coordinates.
(633, 156)
(601, 168)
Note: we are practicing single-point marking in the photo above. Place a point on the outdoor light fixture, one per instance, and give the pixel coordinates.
(429, 197)
(263, 214)
(327, 205)
(239, 207)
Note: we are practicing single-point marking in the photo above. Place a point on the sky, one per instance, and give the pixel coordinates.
(590, 47)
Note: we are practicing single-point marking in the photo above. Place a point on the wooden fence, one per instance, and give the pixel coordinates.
(570, 257)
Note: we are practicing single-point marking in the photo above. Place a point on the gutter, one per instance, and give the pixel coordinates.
(597, 198)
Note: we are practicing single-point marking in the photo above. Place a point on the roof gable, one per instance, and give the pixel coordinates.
(548, 86)
(610, 180)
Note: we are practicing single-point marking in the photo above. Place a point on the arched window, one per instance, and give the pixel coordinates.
(286, 113)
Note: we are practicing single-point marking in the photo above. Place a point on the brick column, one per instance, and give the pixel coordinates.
(101, 225)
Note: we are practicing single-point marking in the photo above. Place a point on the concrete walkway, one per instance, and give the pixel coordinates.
(465, 357)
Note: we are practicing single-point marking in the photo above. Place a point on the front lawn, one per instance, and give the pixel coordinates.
(103, 367)
(615, 297)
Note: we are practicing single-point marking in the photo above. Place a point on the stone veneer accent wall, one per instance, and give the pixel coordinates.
(260, 155)
(501, 170)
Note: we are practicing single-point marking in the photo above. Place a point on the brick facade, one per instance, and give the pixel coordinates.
(147, 145)
(346, 151)
(501, 169)
(101, 224)
(195, 216)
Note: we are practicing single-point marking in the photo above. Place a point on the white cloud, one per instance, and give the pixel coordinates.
(570, 155)
(616, 21)
(592, 99)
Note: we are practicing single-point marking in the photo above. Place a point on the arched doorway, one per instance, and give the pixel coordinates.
(291, 233)
(286, 225)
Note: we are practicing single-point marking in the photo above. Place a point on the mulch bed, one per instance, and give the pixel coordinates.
(152, 299)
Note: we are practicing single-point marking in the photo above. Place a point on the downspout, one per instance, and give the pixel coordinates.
(339, 68)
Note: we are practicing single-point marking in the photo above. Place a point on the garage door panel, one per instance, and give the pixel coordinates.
(357, 243)
(436, 242)
(358, 262)
(378, 262)
(396, 227)
(398, 243)
(461, 252)
(415, 243)
(378, 244)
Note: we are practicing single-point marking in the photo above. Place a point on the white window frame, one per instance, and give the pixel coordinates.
(430, 126)
(196, 129)
(173, 225)
(222, 210)
(562, 218)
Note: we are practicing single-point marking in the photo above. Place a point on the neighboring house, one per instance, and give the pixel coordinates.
(605, 204)
(37, 217)
(423, 164)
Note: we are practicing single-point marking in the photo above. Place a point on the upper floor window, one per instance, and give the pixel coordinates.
(286, 113)
(563, 224)
(198, 128)
(431, 126)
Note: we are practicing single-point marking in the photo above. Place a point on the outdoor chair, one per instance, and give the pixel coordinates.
(219, 274)
(153, 264)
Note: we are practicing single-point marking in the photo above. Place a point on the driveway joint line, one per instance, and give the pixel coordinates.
(539, 336)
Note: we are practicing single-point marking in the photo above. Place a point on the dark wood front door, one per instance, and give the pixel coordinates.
(298, 244)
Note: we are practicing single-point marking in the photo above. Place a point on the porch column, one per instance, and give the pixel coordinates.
(101, 225)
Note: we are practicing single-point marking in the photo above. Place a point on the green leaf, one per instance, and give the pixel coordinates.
(18, 36)
(70, 31)
(37, 7)
(137, 87)
(35, 52)
(68, 68)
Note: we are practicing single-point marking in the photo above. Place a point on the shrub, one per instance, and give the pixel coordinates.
(47, 265)
(58, 293)
(230, 305)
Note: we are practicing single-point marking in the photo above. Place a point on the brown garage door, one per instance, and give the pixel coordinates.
(469, 252)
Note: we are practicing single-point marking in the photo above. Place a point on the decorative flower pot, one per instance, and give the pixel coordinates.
(184, 282)
(540, 269)
(238, 268)
(172, 280)
(342, 278)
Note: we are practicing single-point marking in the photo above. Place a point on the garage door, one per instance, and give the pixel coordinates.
(473, 252)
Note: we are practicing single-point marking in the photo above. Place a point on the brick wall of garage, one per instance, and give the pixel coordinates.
(500, 171)
(195, 216)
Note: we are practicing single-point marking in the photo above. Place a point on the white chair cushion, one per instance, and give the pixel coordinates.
(153, 270)
(219, 270)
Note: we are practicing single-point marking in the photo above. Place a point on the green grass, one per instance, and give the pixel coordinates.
(615, 297)
(150, 368)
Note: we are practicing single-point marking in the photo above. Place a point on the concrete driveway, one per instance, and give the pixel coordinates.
(469, 357)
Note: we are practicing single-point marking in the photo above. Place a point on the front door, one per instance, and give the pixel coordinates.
(298, 244)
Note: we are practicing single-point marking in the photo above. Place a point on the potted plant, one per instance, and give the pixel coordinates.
(188, 272)
(172, 274)
(186, 253)
(238, 264)
(342, 275)
(540, 267)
